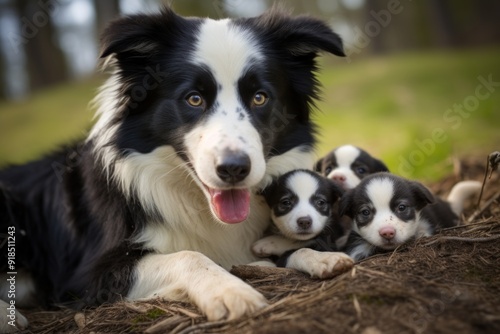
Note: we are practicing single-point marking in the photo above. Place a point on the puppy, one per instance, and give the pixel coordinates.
(301, 203)
(388, 211)
(348, 164)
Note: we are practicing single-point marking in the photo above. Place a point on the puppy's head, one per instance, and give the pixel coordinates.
(301, 202)
(385, 209)
(225, 96)
(348, 164)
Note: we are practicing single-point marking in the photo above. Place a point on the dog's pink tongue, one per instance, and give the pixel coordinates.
(231, 206)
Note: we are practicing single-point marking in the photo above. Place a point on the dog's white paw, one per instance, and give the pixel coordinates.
(11, 320)
(230, 300)
(320, 264)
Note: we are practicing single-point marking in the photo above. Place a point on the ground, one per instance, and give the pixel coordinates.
(447, 283)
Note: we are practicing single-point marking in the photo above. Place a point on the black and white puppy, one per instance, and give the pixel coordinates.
(388, 211)
(348, 164)
(301, 203)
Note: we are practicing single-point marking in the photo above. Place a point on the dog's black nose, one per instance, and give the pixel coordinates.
(233, 167)
(304, 222)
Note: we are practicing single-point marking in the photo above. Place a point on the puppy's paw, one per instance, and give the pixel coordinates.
(12, 321)
(320, 264)
(275, 245)
(230, 300)
(265, 247)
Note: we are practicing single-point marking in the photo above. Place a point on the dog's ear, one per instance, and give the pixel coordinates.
(299, 35)
(139, 35)
(422, 195)
(345, 204)
(318, 165)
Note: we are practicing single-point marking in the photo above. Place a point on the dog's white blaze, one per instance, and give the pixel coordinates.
(226, 49)
(346, 155)
(228, 127)
(304, 186)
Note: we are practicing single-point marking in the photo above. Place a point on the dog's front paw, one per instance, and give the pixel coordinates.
(320, 264)
(230, 300)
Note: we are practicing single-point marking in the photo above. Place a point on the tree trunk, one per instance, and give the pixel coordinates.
(45, 61)
(105, 12)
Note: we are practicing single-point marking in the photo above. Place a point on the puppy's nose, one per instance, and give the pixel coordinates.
(233, 167)
(338, 178)
(387, 232)
(304, 222)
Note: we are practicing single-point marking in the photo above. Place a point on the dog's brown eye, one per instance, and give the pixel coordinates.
(401, 207)
(194, 100)
(259, 99)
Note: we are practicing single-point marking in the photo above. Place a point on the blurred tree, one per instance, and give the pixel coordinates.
(105, 11)
(441, 15)
(45, 61)
(203, 8)
(3, 88)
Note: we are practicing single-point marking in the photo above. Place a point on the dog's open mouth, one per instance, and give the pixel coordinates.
(230, 205)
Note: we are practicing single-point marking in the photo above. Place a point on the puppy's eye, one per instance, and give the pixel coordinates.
(365, 212)
(259, 99)
(361, 170)
(195, 100)
(328, 170)
(320, 202)
(285, 203)
(402, 207)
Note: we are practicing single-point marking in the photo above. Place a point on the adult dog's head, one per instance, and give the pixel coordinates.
(220, 98)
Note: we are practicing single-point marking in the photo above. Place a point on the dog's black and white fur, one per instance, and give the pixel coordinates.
(301, 203)
(388, 211)
(197, 117)
(348, 165)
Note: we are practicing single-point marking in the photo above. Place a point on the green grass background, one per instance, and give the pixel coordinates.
(386, 105)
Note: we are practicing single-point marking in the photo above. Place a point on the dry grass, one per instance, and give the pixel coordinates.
(448, 283)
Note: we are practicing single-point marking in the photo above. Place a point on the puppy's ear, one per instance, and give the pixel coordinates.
(268, 192)
(422, 195)
(336, 191)
(299, 35)
(345, 204)
(318, 165)
(379, 166)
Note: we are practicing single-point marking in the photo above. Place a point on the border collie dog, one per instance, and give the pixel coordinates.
(388, 211)
(348, 164)
(301, 203)
(198, 116)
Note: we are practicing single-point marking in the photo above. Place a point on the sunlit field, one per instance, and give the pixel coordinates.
(417, 111)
